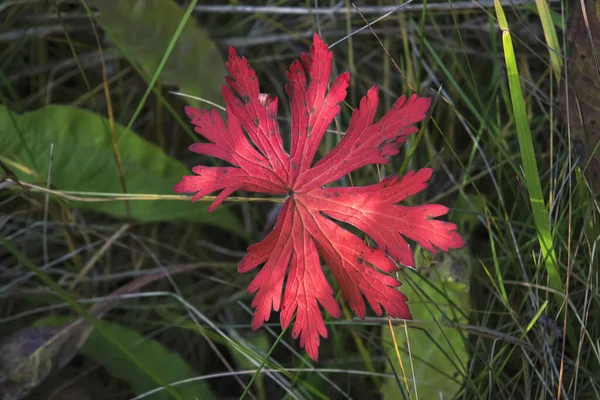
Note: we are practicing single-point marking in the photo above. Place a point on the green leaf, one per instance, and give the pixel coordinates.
(165, 364)
(83, 161)
(142, 29)
(438, 298)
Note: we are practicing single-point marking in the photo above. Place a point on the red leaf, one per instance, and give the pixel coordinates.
(305, 228)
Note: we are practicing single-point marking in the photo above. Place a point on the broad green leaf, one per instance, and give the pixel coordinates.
(438, 295)
(170, 367)
(83, 161)
(143, 29)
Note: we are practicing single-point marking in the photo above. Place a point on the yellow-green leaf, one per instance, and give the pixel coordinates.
(438, 295)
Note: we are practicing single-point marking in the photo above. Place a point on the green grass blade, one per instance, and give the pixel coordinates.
(532, 177)
(530, 325)
(262, 364)
(550, 35)
(163, 62)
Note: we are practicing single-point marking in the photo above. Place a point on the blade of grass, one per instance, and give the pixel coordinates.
(532, 177)
(551, 38)
(530, 325)
(412, 367)
(364, 352)
(501, 287)
(109, 109)
(86, 268)
(398, 355)
(262, 364)
(163, 62)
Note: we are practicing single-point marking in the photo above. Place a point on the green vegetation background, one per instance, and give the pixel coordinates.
(93, 137)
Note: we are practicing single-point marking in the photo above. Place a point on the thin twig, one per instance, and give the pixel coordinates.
(365, 10)
(109, 242)
(46, 202)
(96, 197)
(391, 58)
(38, 31)
(412, 366)
(398, 355)
(263, 39)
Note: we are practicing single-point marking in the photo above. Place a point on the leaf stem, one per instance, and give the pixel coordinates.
(98, 197)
